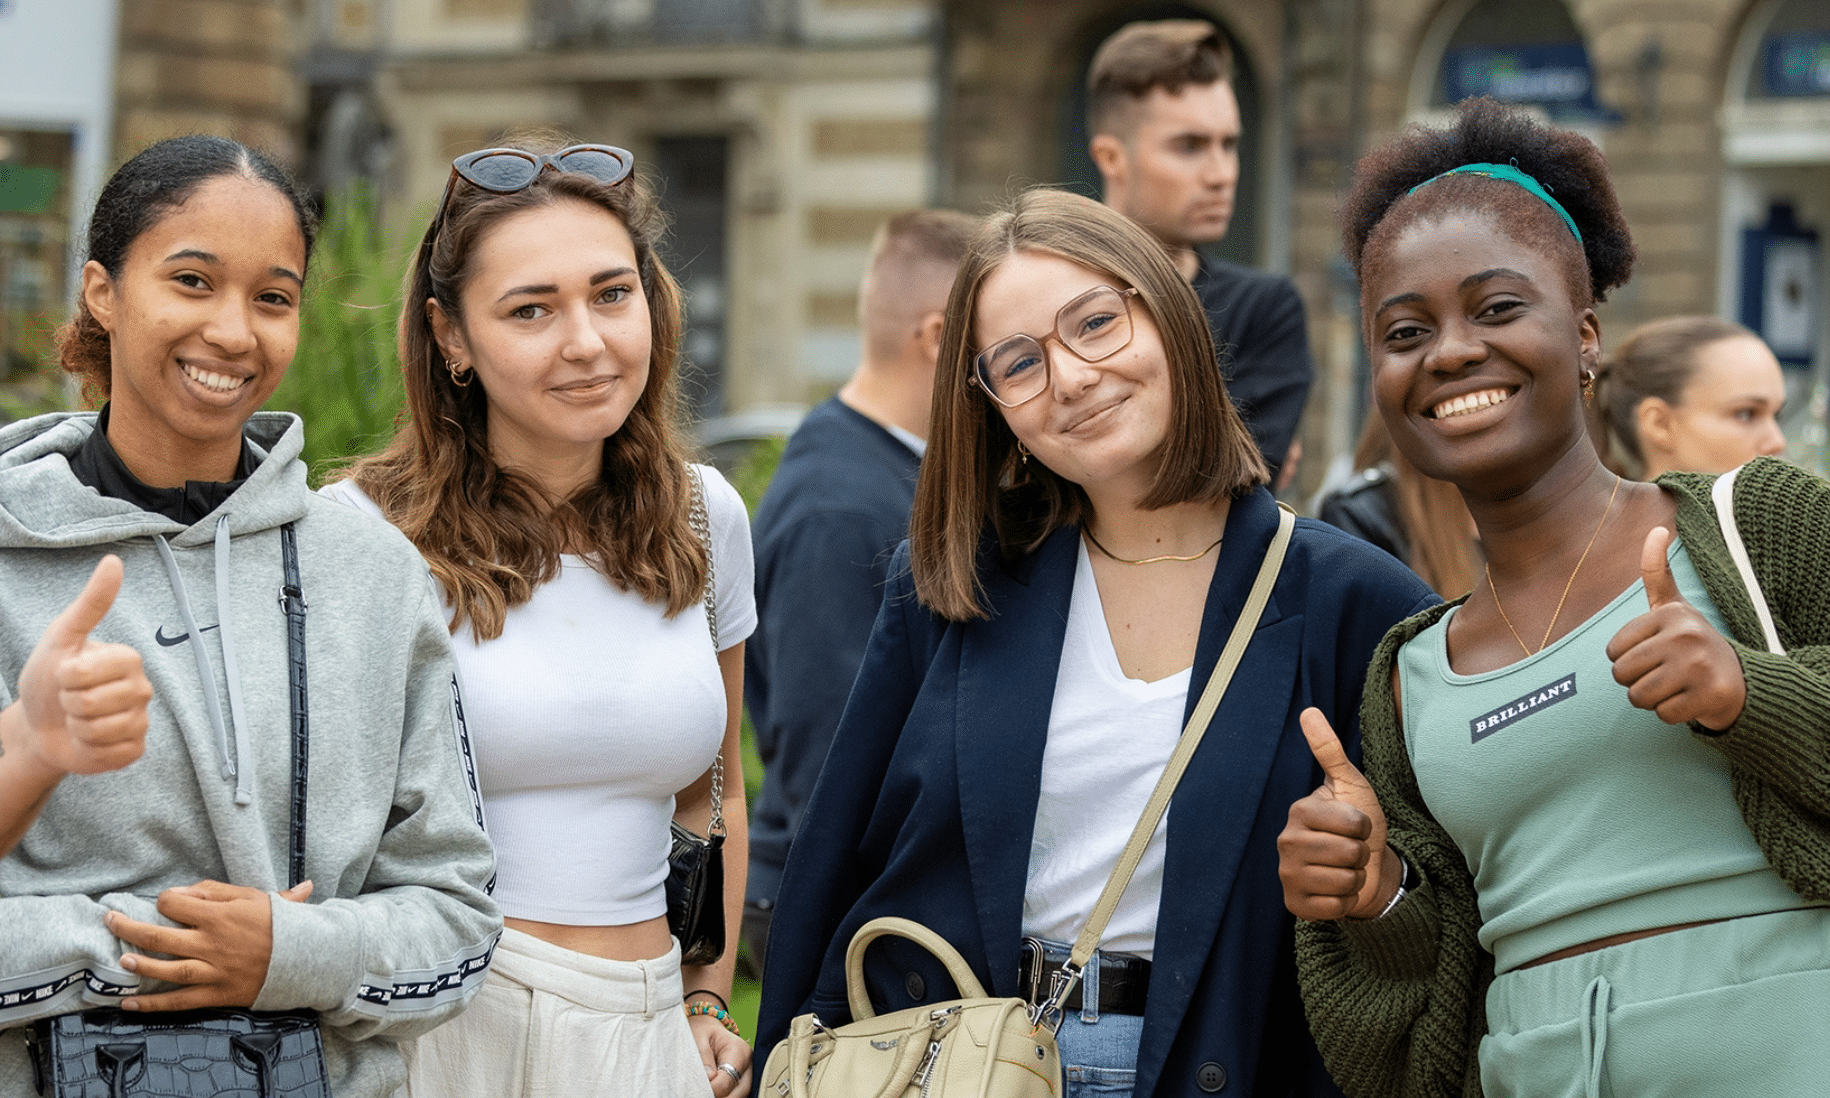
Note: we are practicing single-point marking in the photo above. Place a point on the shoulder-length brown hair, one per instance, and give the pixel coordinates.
(972, 476)
(490, 534)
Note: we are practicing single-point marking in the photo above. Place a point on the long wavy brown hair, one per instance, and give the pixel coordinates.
(490, 534)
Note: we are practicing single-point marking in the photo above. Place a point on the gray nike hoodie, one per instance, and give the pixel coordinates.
(398, 934)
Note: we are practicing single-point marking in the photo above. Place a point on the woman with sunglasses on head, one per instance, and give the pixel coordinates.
(197, 876)
(542, 475)
(1090, 516)
(1590, 850)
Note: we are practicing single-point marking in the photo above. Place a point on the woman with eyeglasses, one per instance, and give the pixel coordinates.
(168, 883)
(1090, 515)
(543, 476)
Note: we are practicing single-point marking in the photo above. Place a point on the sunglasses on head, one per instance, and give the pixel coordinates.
(505, 171)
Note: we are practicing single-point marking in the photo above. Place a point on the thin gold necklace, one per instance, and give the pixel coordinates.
(1545, 643)
(1088, 530)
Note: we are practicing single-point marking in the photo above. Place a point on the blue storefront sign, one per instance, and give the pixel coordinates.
(1797, 64)
(1556, 77)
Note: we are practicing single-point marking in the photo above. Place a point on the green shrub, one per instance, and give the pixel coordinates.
(345, 381)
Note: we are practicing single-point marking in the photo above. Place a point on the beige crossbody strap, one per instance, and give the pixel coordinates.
(1724, 496)
(1243, 629)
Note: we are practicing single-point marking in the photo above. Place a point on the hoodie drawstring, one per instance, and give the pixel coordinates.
(231, 673)
(205, 672)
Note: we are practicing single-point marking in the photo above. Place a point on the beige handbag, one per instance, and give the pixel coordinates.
(977, 1046)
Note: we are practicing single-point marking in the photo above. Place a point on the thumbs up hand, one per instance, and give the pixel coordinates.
(1670, 659)
(82, 705)
(1332, 855)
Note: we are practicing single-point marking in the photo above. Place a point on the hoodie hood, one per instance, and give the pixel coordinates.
(44, 506)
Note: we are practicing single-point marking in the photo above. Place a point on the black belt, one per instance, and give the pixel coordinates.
(1124, 978)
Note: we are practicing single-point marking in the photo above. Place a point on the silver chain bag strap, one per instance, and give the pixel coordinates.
(695, 864)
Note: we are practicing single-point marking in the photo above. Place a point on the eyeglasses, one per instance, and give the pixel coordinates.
(1094, 326)
(505, 171)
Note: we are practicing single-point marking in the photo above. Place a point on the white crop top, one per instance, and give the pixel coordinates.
(588, 714)
(1109, 738)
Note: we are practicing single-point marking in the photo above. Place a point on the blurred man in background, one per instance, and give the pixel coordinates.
(835, 511)
(1164, 127)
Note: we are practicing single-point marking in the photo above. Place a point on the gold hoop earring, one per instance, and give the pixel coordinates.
(460, 374)
(1588, 387)
(1023, 452)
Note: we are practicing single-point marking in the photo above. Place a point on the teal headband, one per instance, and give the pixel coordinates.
(1512, 175)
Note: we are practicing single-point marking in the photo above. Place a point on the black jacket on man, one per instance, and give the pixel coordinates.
(1258, 327)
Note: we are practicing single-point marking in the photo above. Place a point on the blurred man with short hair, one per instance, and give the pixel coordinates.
(835, 511)
(1164, 127)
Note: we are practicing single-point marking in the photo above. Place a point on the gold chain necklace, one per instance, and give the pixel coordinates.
(1088, 530)
(1566, 587)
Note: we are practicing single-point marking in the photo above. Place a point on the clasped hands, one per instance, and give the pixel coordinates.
(218, 953)
(1332, 855)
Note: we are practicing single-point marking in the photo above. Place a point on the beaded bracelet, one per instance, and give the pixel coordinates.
(694, 1010)
(722, 1001)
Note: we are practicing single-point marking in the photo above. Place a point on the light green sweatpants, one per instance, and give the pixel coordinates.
(1723, 1010)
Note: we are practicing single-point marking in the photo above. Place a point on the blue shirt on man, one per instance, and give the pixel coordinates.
(834, 514)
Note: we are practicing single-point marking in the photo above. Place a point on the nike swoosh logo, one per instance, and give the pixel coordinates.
(159, 635)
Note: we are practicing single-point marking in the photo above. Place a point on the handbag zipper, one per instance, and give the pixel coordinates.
(924, 1075)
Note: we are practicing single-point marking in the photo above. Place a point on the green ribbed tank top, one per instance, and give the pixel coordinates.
(1579, 815)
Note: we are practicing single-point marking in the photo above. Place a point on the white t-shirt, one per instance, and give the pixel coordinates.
(1109, 738)
(588, 713)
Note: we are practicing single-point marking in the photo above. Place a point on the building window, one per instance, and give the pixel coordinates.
(1794, 57)
(35, 167)
(1531, 54)
(693, 173)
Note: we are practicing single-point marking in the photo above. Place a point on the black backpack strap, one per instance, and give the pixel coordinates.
(292, 601)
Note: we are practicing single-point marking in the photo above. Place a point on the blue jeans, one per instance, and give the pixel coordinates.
(1099, 1051)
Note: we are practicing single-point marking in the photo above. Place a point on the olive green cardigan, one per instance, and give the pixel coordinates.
(1398, 1004)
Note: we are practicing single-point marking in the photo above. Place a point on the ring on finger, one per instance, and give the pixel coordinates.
(731, 1070)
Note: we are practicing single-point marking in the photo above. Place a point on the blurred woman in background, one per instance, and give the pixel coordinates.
(1690, 393)
(1420, 520)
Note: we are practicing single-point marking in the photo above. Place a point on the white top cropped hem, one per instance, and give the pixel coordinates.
(589, 712)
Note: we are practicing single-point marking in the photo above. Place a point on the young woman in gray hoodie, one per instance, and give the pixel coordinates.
(163, 885)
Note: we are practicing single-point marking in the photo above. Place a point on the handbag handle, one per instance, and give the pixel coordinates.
(1243, 628)
(855, 991)
(1723, 494)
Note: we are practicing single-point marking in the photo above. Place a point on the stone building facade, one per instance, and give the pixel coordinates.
(786, 130)
(227, 67)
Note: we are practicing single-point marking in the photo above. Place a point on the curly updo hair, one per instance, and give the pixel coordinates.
(158, 180)
(1382, 204)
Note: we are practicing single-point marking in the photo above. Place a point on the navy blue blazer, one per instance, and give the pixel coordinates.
(927, 802)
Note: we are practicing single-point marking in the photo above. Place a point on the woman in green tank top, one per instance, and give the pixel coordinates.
(1590, 851)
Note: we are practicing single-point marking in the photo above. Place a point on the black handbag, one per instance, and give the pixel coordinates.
(695, 864)
(112, 1053)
